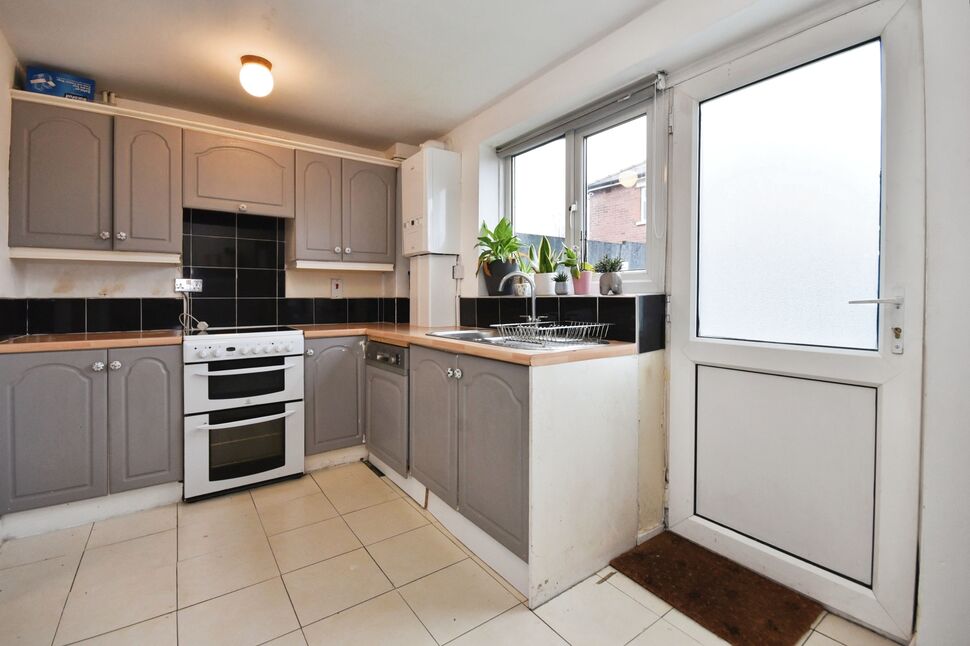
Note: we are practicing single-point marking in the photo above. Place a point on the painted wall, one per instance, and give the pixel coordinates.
(944, 592)
(652, 448)
(34, 278)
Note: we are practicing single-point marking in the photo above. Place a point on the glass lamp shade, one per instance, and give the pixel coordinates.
(256, 76)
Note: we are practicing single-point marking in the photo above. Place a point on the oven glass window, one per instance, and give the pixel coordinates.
(245, 450)
(246, 385)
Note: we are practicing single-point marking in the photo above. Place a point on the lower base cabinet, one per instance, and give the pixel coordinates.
(386, 419)
(333, 393)
(470, 440)
(58, 408)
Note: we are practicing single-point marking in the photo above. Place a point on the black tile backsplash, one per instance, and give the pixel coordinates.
(329, 310)
(403, 310)
(113, 314)
(639, 319)
(160, 313)
(256, 283)
(55, 315)
(13, 317)
(256, 227)
(217, 312)
(295, 311)
(363, 310)
(212, 252)
(216, 282)
(255, 311)
(255, 254)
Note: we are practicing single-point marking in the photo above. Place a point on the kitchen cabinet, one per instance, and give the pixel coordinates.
(333, 393)
(81, 423)
(369, 207)
(493, 449)
(470, 440)
(60, 178)
(434, 422)
(144, 417)
(229, 174)
(317, 227)
(54, 428)
(147, 186)
(386, 420)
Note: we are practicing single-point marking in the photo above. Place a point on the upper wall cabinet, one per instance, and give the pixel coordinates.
(228, 174)
(147, 186)
(60, 178)
(369, 206)
(318, 228)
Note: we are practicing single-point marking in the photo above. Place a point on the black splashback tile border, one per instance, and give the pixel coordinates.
(636, 318)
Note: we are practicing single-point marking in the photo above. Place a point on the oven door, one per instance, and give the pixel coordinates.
(235, 383)
(243, 446)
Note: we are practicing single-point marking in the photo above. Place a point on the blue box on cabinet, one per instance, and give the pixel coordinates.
(44, 81)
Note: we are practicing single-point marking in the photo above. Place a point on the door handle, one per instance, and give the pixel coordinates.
(243, 371)
(115, 365)
(895, 317)
(121, 235)
(244, 422)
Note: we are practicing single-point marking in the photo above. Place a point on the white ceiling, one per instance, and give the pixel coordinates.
(366, 72)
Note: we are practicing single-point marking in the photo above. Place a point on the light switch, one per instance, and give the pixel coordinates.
(336, 288)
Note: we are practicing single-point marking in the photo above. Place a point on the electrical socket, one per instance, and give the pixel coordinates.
(192, 285)
(336, 288)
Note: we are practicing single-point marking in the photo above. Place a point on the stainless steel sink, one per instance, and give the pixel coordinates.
(466, 335)
(492, 337)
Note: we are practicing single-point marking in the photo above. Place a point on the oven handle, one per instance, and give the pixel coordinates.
(244, 371)
(244, 422)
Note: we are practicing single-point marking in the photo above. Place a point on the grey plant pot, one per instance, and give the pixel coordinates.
(562, 289)
(611, 283)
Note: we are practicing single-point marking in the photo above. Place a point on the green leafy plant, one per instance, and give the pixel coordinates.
(609, 264)
(585, 266)
(560, 277)
(570, 260)
(545, 260)
(497, 245)
(527, 260)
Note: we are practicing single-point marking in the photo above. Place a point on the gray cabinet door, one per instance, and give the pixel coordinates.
(386, 421)
(147, 186)
(53, 428)
(333, 382)
(493, 450)
(144, 417)
(317, 227)
(228, 174)
(369, 211)
(434, 422)
(60, 178)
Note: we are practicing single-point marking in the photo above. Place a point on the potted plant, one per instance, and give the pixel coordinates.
(546, 263)
(561, 279)
(583, 278)
(498, 256)
(610, 280)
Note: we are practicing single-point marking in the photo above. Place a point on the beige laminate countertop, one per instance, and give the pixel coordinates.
(402, 335)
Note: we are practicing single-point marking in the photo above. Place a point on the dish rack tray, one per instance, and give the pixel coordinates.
(553, 332)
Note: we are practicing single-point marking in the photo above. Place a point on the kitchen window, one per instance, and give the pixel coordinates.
(588, 182)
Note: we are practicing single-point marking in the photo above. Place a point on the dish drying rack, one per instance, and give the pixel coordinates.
(553, 332)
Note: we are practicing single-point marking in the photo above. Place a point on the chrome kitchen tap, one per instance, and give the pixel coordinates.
(532, 318)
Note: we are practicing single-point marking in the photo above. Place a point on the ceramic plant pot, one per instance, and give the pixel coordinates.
(545, 286)
(583, 284)
(496, 272)
(611, 283)
(562, 289)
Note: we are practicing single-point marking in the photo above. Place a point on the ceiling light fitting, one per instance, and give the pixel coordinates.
(256, 75)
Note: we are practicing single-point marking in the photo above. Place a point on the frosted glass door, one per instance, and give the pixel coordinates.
(789, 205)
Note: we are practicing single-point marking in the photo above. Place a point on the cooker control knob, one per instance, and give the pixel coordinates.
(289, 347)
(267, 349)
(257, 349)
(244, 349)
(203, 353)
(217, 352)
(280, 348)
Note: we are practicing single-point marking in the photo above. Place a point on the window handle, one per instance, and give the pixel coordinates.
(894, 300)
(895, 317)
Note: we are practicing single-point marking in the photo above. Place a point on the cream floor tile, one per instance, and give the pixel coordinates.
(455, 600)
(32, 597)
(511, 628)
(246, 617)
(818, 639)
(160, 631)
(353, 486)
(65, 542)
(294, 638)
(698, 633)
(605, 572)
(384, 620)
(848, 633)
(235, 567)
(384, 521)
(639, 594)
(280, 492)
(142, 523)
(214, 508)
(414, 554)
(662, 633)
(301, 547)
(119, 585)
(297, 512)
(326, 588)
(595, 612)
(218, 531)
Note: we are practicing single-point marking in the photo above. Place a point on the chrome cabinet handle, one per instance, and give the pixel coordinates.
(457, 373)
(309, 352)
(115, 365)
(336, 249)
(105, 235)
(243, 208)
(97, 366)
(121, 235)
(346, 249)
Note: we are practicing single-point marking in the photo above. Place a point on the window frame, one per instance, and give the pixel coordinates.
(651, 278)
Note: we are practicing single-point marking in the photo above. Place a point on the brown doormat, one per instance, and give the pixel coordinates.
(731, 601)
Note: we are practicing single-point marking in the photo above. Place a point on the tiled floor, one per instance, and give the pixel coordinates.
(337, 557)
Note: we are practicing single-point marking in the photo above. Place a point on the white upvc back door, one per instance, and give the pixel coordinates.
(797, 187)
